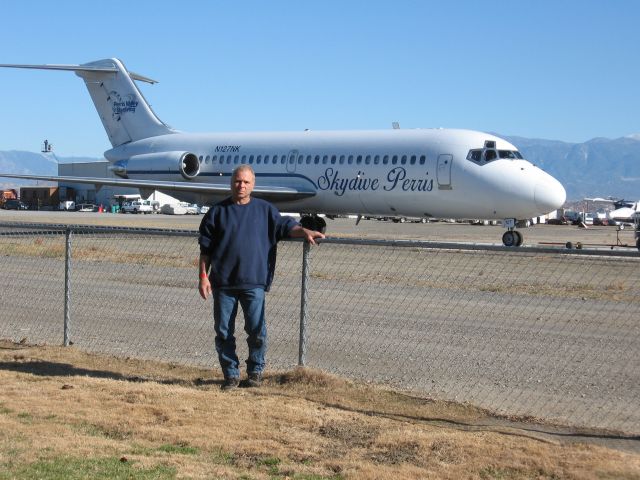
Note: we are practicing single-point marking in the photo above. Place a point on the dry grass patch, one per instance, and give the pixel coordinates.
(62, 411)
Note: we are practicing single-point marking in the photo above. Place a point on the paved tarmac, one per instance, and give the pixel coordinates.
(537, 235)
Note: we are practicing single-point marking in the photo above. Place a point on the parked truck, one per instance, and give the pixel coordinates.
(137, 206)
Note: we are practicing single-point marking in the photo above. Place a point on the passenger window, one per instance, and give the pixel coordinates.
(333, 159)
(394, 160)
(300, 159)
(403, 161)
(385, 159)
(341, 159)
(367, 159)
(206, 159)
(376, 160)
(259, 159)
(325, 159)
(413, 160)
(310, 159)
(359, 159)
(423, 159)
(350, 161)
(244, 159)
(250, 158)
(266, 159)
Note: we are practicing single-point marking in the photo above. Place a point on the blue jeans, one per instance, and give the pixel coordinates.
(225, 309)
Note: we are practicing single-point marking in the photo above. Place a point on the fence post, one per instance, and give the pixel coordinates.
(67, 287)
(304, 294)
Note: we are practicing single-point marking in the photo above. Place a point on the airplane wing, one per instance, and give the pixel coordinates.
(271, 193)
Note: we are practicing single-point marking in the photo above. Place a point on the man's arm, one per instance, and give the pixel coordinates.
(204, 285)
(309, 235)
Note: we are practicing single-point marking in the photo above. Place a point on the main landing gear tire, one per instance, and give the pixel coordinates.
(512, 238)
(313, 222)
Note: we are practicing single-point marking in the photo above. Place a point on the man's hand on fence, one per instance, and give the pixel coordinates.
(309, 235)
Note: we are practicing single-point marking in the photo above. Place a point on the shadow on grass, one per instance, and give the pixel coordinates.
(56, 369)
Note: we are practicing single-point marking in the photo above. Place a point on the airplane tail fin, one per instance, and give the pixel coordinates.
(124, 112)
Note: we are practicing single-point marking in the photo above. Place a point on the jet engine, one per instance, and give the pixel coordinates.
(161, 163)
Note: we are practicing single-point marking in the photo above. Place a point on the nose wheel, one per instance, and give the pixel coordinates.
(512, 238)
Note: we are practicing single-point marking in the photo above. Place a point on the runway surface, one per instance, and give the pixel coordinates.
(347, 228)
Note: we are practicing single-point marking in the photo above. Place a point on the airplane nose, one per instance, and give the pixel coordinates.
(549, 194)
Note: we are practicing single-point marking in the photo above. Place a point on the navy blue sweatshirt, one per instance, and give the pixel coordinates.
(241, 242)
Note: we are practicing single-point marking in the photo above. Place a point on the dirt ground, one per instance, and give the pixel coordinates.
(60, 403)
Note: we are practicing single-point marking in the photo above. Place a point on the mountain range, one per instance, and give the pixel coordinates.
(600, 167)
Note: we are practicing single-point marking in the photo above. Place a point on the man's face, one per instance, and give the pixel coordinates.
(242, 186)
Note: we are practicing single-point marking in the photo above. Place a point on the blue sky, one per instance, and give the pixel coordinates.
(564, 70)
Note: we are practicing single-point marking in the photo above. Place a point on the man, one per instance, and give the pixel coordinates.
(238, 238)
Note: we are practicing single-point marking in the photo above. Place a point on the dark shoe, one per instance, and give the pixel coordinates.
(230, 383)
(254, 380)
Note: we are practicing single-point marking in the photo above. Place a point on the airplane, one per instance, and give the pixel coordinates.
(624, 212)
(424, 173)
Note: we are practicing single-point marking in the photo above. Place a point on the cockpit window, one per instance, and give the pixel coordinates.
(485, 155)
(475, 155)
(509, 154)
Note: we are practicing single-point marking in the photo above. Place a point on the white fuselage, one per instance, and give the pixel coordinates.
(412, 173)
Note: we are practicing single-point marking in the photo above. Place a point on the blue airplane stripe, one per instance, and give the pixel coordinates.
(224, 174)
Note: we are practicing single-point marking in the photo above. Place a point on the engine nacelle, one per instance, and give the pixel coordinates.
(185, 163)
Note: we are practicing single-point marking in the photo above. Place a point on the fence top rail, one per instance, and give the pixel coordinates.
(51, 228)
(425, 244)
(57, 228)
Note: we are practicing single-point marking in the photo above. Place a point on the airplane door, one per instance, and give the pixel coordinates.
(443, 172)
(292, 160)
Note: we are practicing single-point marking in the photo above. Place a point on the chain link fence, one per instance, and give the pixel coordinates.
(546, 333)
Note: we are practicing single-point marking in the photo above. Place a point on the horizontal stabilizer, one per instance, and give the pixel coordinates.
(79, 68)
(123, 110)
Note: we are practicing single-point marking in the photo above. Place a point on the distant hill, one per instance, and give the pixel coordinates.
(598, 168)
(15, 161)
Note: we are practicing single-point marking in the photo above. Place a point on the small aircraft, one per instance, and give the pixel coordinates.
(424, 173)
(624, 212)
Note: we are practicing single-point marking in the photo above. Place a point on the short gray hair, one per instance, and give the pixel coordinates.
(241, 168)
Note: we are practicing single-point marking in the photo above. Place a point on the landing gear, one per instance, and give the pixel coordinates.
(512, 237)
(313, 222)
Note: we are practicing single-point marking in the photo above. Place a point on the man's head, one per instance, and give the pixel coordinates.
(242, 182)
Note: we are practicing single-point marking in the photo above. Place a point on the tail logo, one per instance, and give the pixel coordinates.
(121, 105)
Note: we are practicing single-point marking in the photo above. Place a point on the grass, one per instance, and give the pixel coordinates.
(301, 425)
(71, 468)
